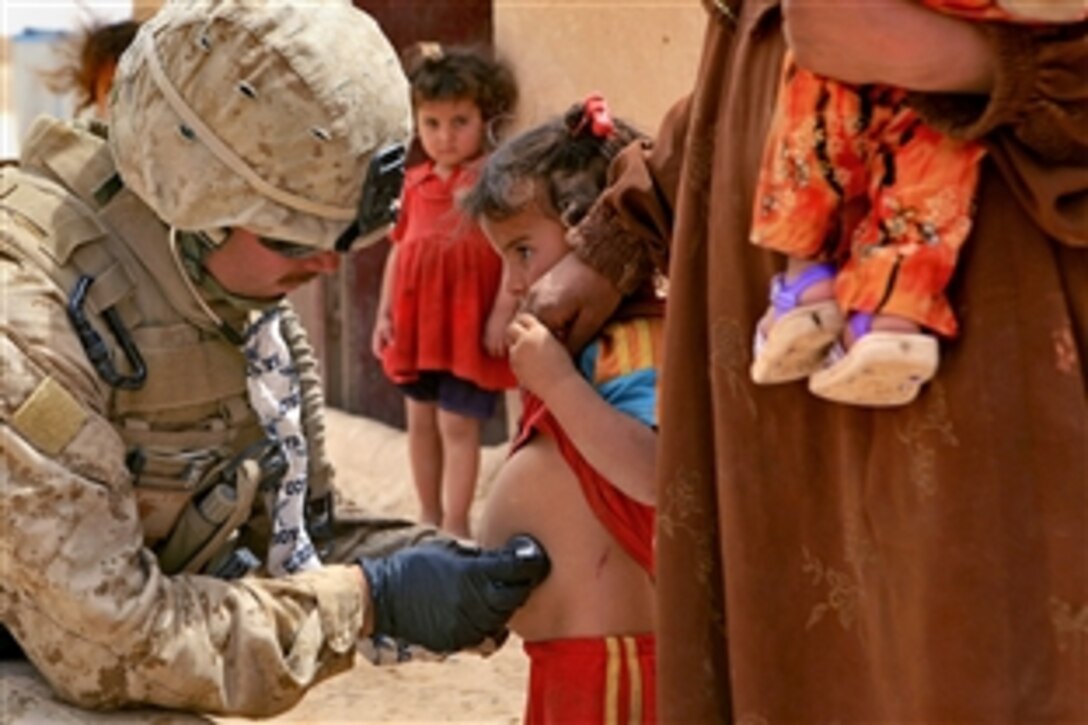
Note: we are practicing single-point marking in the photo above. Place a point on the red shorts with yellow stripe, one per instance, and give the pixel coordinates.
(592, 680)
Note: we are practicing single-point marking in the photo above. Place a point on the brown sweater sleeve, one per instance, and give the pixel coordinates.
(625, 235)
(1035, 121)
(1040, 92)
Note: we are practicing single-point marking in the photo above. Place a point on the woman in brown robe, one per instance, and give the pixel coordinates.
(824, 563)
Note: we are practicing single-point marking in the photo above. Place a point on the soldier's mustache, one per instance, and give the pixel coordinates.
(297, 279)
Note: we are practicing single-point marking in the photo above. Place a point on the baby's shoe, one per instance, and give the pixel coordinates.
(796, 342)
(879, 369)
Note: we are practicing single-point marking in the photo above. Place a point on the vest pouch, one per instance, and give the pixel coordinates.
(225, 505)
(166, 481)
(197, 525)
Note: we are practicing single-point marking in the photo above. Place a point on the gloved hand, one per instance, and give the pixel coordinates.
(448, 597)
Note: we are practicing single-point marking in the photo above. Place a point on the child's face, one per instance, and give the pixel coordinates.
(530, 243)
(450, 131)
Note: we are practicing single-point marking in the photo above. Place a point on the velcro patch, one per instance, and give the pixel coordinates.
(50, 418)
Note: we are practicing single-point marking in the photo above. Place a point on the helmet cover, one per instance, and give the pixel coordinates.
(261, 114)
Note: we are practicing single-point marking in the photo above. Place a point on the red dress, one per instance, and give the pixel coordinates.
(445, 281)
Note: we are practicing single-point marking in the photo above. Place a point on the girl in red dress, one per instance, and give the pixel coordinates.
(441, 316)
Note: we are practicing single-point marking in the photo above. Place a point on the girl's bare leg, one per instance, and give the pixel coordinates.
(425, 456)
(461, 444)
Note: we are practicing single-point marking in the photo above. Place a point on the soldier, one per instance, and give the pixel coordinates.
(160, 415)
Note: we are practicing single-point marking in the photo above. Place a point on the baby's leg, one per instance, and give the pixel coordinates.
(812, 161)
(904, 254)
(815, 164)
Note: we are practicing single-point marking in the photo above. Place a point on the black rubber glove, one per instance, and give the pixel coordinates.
(448, 597)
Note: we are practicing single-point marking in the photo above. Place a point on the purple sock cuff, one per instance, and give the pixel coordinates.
(785, 296)
(860, 324)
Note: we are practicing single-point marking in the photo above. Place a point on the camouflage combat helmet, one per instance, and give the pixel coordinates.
(264, 114)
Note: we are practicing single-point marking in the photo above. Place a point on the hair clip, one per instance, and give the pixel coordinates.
(430, 50)
(595, 114)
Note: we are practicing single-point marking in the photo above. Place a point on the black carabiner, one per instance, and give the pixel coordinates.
(96, 348)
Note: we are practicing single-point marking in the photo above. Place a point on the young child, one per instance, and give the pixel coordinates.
(91, 59)
(441, 315)
(580, 478)
(832, 149)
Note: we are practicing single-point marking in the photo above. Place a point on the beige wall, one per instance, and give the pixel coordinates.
(641, 54)
(144, 9)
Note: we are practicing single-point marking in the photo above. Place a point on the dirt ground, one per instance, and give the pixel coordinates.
(371, 461)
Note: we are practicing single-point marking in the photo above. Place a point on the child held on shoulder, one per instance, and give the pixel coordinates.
(581, 475)
(441, 315)
(871, 206)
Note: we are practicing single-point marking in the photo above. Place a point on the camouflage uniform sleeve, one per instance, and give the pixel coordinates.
(80, 592)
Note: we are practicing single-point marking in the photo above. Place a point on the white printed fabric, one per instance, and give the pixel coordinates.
(275, 394)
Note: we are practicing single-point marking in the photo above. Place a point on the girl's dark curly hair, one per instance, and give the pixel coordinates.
(562, 164)
(437, 73)
(93, 49)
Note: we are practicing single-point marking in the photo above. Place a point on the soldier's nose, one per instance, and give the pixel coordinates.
(325, 262)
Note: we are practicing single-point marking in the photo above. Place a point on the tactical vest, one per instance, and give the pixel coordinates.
(186, 418)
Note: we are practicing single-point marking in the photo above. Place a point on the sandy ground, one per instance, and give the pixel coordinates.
(371, 461)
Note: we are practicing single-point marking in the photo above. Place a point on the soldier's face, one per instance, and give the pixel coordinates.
(248, 267)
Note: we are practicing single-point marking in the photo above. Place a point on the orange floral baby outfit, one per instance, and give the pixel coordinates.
(851, 174)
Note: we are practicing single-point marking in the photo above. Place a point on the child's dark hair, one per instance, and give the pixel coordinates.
(438, 73)
(92, 50)
(562, 163)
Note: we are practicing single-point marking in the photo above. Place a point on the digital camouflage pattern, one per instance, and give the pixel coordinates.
(258, 114)
(81, 589)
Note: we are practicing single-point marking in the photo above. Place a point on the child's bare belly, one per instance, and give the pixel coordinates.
(594, 587)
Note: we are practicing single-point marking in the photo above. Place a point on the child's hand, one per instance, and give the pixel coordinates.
(382, 335)
(537, 358)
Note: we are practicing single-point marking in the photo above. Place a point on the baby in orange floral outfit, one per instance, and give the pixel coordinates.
(833, 148)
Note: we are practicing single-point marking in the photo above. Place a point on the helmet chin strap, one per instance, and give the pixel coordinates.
(190, 265)
(214, 237)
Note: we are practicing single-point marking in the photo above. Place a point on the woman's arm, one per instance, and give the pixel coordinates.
(895, 42)
(1021, 89)
(969, 78)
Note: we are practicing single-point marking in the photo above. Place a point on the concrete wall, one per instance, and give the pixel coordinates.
(641, 54)
(144, 9)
